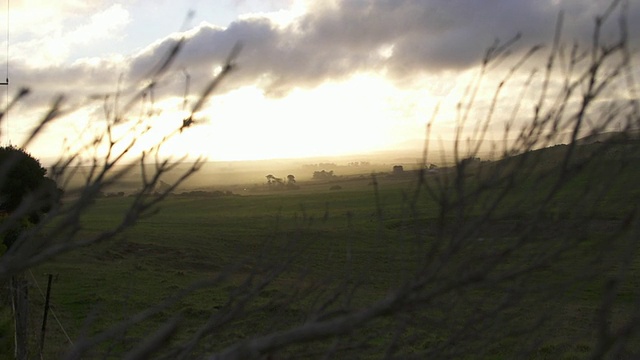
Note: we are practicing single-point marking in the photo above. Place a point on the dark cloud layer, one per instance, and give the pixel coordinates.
(334, 41)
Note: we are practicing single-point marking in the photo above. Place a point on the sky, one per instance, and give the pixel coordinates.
(313, 78)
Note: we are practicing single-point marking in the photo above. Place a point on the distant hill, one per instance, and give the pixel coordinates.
(614, 136)
(605, 148)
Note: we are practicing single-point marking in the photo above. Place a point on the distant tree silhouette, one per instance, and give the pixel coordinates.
(291, 183)
(22, 176)
(323, 174)
(270, 179)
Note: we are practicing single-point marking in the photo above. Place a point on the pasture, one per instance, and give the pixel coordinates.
(191, 239)
(268, 262)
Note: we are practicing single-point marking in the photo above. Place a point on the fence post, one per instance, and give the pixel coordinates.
(46, 312)
(19, 301)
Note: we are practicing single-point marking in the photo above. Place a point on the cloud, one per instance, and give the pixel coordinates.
(56, 40)
(40, 18)
(45, 39)
(401, 38)
(101, 26)
(333, 40)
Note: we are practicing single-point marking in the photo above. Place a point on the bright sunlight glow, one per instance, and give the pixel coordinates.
(332, 119)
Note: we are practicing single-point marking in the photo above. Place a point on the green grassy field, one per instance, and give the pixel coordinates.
(190, 239)
(287, 252)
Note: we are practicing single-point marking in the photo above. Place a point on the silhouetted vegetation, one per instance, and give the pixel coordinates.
(275, 183)
(23, 176)
(202, 193)
(323, 175)
(532, 256)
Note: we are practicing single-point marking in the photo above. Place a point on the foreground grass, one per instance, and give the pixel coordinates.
(356, 245)
(190, 239)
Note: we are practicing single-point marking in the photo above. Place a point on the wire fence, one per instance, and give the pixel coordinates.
(51, 308)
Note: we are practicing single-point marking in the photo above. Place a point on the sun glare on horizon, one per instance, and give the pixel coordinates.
(313, 79)
(333, 119)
